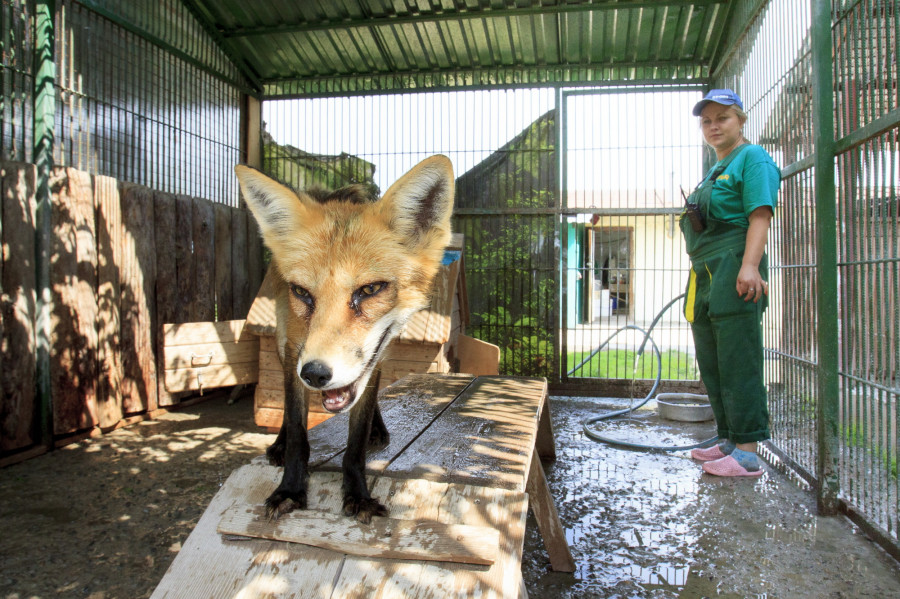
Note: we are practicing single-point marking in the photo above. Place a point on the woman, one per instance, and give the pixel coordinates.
(725, 226)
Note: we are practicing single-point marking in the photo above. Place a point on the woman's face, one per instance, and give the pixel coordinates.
(721, 127)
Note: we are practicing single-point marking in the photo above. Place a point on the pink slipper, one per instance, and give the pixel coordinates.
(728, 466)
(708, 454)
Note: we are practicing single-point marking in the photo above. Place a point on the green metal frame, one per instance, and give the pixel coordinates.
(44, 98)
(826, 260)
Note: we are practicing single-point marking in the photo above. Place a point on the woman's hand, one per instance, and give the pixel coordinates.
(750, 284)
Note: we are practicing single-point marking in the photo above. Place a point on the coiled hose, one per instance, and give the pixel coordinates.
(616, 413)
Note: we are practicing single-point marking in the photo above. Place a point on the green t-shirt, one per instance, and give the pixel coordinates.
(750, 181)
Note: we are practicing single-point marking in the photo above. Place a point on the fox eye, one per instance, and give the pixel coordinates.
(371, 289)
(366, 291)
(302, 294)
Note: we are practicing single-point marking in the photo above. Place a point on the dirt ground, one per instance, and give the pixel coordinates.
(104, 518)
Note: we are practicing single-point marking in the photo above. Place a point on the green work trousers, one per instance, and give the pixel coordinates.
(728, 340)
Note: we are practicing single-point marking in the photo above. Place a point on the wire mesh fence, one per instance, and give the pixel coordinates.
(568, 198)
(772, 69)
(503, 147)
(631, 154)
(139, 110)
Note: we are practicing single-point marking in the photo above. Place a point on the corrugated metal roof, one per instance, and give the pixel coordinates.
(290, 47)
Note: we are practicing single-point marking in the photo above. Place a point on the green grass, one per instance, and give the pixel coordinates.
(619, 364)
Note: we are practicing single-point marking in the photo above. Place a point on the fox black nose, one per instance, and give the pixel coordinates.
(316, 374)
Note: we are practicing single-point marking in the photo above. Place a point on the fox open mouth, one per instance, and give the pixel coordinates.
(336, 400)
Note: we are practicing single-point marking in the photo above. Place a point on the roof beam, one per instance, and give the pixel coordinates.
(463, 15)
(213, 32)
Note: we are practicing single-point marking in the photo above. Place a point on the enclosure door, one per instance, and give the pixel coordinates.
(626, 154)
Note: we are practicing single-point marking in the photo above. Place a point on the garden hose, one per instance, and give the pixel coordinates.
(616, 413)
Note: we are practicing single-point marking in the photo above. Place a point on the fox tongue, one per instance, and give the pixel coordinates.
(335, 400)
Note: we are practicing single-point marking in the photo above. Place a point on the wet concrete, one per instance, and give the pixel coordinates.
(651, 524)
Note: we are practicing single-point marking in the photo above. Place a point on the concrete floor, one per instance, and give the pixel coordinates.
(651, 524)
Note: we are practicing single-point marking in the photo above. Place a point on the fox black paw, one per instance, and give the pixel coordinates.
(275, 454)
(363, 508)
(379, 437)
(282, 502)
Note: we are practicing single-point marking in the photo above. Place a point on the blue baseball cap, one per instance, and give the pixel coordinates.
(725, 97)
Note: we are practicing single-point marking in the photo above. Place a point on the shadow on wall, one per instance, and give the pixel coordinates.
(124, 261)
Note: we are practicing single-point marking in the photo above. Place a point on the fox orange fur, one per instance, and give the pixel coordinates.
(350, 271)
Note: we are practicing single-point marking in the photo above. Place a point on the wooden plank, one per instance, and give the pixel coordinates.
(211, 377)
(242, 295)
(384, 538)
(184, 259)
(503, 510)
(138, 282)
(165, 224)
(73, 279)
(406, 406)
(224, 272)
(217, 353)
(204, 292)
(17, 306)
(271, 418)
(205, 355)
(269, 360)
(478, 357)
(267, 343)
(109, 295)
(192, 333)
(211, 565)
(415, 352)
(545, 444)
(486, 437)
(552, 532)
(270, 398)
(404, 367)
(261, 318)
(272, 380)
(256, 268)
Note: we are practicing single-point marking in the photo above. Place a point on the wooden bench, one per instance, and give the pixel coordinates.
(461, 468)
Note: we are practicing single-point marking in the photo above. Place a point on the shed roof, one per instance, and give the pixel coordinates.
(320, 47)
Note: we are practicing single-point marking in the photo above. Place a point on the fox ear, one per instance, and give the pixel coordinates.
(279, 211)
(419, 205)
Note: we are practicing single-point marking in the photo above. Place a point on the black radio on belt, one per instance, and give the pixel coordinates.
(692, 210)
(698, 223)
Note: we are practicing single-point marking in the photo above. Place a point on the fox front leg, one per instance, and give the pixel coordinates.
(357, 501)
(275, 451)
(291, 493)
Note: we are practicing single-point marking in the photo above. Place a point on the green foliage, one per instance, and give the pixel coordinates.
(526, 349)
(511, 266)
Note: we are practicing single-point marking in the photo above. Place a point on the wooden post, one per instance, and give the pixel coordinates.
(252, 138)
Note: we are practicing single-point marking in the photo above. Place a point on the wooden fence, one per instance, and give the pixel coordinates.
(124, 261)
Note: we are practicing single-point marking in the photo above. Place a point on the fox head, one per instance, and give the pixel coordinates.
(350, 271)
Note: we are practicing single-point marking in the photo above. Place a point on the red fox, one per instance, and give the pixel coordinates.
(351, 270)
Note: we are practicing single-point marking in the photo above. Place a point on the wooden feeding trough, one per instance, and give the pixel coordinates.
(428, 344)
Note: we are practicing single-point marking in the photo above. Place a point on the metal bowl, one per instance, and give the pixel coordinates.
(684, 407)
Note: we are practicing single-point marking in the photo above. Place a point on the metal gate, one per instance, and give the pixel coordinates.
(629, 153)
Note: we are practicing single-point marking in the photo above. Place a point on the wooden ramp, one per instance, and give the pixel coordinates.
(440, 540)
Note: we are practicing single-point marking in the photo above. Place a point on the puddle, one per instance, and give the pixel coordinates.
(650, 524)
